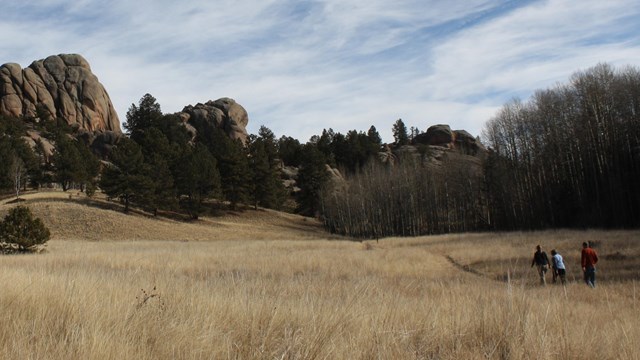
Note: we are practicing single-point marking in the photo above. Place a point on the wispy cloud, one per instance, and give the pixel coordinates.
(301, 66)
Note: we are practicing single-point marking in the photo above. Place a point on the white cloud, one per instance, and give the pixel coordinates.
(301, 66)
(533, 45)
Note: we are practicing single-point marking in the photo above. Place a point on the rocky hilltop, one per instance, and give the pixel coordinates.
(224, 113)
(435, 145)
(61, 86)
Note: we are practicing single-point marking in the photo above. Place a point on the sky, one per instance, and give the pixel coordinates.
(299, 67)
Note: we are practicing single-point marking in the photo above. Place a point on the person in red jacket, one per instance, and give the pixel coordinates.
(589, 260)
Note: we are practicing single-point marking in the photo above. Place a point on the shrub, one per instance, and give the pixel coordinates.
(21, 232)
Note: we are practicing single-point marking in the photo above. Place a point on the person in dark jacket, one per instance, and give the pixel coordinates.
(541, 261)
(589, 260)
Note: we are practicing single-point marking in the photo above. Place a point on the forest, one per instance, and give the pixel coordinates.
(568, 157)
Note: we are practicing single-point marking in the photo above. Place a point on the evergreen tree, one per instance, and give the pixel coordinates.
(143, 116)
(326, 144)
(233, 164)
(173, 129)
(260, 167)
(12, 126)
(312, 179)
(6, 154)
(197, 179)
(359, 149)
(276, 186)
(289, 151)
(67, 162)
(90, 166)
(267, 190)
(19, 227)
(162, 192)
(159, 157)
(400, 133)
(73, 163)
(374, 137)
(340, 155)
(235, 174)
(269, 140)
(127, 175)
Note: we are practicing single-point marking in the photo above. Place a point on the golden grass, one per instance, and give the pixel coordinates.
(304, 297)
(72, 216)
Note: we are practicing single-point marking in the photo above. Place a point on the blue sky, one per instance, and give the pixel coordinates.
(301, 66)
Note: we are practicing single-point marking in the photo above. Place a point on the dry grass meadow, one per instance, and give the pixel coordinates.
(265, 285)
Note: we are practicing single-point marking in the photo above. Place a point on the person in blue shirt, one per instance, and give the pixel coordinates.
(559, 269)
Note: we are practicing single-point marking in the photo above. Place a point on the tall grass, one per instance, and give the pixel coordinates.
(273, 299)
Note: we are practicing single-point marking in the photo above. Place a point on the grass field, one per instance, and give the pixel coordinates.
(265, 285)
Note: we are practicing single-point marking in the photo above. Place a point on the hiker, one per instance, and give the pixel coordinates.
(541, 261)
(558, 267)
(589, 260)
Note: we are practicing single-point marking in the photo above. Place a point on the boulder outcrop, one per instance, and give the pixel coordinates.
(224, 113)
(443, 136)
(60, 86)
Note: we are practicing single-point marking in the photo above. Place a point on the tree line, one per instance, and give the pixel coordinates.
(21, 166)
(157, 166)
(411, 198)
(568, 157)
(160, 165)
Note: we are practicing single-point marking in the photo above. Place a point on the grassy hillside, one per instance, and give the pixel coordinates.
(273, 286)
(72, 216)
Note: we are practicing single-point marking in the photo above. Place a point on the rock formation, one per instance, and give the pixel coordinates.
(443, 136)
(36, 141)
(224, 113)
(61, 86)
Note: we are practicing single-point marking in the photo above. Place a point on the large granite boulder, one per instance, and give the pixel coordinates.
(437, 135)
(443, 136)
(60, 86)
(224, 113)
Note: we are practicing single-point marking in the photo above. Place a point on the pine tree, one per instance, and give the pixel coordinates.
(400, 133)
(269, 140)
(197, 179)
(267, 190)
(19, 227)
(374, 137)
(159, 156)
(233, 164)
(127, 175)
(235, 174)
(142, 116)
(312, 179)
(162, 192)
(289, 151)
(68, 163)
(74, 163)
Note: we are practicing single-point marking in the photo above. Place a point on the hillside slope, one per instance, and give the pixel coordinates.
(71, 216)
